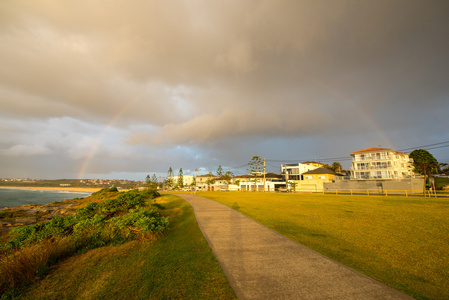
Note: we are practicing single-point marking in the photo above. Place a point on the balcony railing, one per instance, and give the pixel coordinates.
(371, 168)
(373, 158)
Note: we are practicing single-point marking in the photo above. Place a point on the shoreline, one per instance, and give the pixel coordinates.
(65, 189)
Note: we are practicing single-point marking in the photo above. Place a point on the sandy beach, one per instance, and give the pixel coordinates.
(68, 189)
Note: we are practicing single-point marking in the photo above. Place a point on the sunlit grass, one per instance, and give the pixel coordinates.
(177, 265)
(400, 241)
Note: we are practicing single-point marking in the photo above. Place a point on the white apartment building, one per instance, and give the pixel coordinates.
(381, 163)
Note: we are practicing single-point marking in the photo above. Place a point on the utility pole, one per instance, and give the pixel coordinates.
(286, 176)
(264, 174)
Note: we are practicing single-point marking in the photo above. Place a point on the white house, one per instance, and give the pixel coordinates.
(295, 171)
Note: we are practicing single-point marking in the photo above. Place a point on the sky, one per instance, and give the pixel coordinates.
(121, 89)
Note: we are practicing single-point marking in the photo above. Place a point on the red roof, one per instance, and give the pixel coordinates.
(376, 150)
(371, 150)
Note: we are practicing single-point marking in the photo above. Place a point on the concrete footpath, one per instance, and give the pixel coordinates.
(262, 264)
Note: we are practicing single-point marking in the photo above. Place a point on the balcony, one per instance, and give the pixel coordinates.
(373, 158)
(371, 168)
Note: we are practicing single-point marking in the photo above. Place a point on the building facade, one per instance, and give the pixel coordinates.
(295, 171)
(381, 163)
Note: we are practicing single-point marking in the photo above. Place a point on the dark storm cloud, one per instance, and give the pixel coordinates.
(204, 77)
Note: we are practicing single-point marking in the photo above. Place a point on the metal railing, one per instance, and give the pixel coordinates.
(381, 192)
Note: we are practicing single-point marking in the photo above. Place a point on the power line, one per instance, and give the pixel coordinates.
(437, 147)
(424, 146)
(349, 158)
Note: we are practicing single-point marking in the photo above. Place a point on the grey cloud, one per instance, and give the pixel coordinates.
(234, 124)
(202, 76)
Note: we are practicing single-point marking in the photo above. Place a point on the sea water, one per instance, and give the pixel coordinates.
(17, 197)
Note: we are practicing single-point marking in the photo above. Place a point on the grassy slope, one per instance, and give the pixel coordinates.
(402, 242)
(178, 265)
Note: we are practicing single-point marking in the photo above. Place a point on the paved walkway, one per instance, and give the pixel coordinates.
(262, 264)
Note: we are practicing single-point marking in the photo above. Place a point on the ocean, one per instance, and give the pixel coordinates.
(17, 197)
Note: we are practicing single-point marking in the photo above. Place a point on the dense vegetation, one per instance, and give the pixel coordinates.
(31, 250)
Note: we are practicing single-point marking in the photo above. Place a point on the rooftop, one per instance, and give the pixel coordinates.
(320, 171)
(372, 150)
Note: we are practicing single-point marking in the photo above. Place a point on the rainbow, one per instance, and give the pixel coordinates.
(375, 126)
(353, 104)
(92, 150)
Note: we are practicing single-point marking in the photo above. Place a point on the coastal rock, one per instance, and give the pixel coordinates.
(27, 221)
(37, 213)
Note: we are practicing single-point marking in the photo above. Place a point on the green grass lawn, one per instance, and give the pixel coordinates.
(179, 265)
(403, 242)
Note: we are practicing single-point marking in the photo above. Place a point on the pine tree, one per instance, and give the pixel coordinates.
(255, 166)
(219, 171)
(154, 181)
(180, 179)
(169, 181)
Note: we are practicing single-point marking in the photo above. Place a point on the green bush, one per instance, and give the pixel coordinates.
(89, 210)
(113, 219)
(6, 214)
(146, 220)
(158, 205)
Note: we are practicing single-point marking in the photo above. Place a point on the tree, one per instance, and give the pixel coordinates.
(444, 169)
(151, 182)
(154, 181)
(180, 179)
(255, 165)
(219, 171)
(227, 176)
(292, 184)
(425, 164)
(169, 180)
(336, 167)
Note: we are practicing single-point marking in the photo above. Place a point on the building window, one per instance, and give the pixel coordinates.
(362, 175)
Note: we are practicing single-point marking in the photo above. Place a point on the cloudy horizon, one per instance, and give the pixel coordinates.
(120, 90)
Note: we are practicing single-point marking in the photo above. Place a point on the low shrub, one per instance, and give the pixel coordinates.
(160, 206)
(6, 214)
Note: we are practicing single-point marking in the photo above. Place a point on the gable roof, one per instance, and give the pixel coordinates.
(319, 171)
